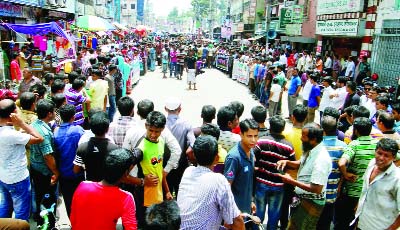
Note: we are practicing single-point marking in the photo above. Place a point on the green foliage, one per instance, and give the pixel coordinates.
(173, 15)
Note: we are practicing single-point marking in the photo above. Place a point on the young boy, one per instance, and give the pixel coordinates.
(15, 70)
(274, 97)
(98, 90)
(75, 97)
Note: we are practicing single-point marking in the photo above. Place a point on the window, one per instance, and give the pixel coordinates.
(123, 6)
(133, 6)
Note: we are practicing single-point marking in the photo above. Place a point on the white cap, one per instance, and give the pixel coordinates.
(172, 103)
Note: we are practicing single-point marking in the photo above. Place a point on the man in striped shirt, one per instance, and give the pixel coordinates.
(335, 149)
(356, 156)
(75, 97)
(269, 186)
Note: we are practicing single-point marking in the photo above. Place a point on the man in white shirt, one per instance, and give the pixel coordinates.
(325, 100)
(15, 186)
(339, 95)
(205, 198)
(350, 69)
(309, 61)
(301, 62)
(328, 64)
(379, 203)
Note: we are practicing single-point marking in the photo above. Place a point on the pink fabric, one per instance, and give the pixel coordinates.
(43, 44)
(36, 41)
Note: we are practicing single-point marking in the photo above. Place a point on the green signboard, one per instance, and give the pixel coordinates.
(290, 15)
(285, 17)
(397, 5)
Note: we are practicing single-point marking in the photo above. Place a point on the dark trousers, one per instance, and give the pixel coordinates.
(287, 200)
(67, 188)
(326, 217)
(42, 187)
(140, 209)
(345, 211)
(251, 85)
(174, 179)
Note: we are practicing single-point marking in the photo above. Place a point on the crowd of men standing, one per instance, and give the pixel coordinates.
(64, 140)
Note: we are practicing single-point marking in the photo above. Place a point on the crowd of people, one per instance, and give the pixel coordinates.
(154, 170)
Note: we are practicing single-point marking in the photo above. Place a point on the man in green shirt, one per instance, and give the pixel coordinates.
(352, 165)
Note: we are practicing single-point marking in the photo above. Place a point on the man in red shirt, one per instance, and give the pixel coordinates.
(98, 205)
(15, 69)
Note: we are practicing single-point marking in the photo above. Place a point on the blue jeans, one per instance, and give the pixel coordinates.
(271, 196)
(113, 107)
(15, 197)
(172, 68)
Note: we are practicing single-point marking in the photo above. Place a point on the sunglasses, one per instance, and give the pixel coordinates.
(367, 89)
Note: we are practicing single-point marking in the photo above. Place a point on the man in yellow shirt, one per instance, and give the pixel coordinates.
(293, 135)
(98, 90)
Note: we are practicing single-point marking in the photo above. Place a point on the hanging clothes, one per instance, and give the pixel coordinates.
(84, 40)
(43, 43)
(89, 42)
(94, 43)
(50, 50)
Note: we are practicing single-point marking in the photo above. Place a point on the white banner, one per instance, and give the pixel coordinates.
(338, 27)
(240, 72)
(339, 6)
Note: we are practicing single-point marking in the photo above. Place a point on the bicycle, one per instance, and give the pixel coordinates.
(249, 219)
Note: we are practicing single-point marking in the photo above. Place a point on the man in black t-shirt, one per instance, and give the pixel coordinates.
(190, 66)
(90, 155)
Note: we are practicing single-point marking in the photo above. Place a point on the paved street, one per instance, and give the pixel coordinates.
(214, 88)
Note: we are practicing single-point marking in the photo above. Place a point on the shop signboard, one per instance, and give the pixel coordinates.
(25, 2)
(397, 6)
(285, 17)
(338, 27)
(10, 10)
(297, 14)
(293, 14)
(293, 29)
(339, 6)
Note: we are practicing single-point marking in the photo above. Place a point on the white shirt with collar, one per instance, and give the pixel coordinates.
(379, 203)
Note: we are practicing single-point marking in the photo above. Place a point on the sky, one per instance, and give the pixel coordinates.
(163, 7)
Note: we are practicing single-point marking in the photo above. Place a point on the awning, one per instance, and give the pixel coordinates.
(39, 29)
(255, 38)
(120, 26)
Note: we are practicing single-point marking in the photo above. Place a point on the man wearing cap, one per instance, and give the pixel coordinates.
(183, 132)
(327, 91)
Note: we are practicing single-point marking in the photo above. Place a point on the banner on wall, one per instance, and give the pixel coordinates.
(222, 62)
(240, 72)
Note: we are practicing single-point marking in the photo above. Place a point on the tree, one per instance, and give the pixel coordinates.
(173, 14)
(200, 8)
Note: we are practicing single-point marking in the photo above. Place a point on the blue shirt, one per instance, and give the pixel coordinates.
(335, 149)
(240, 170)
(261, 72)
(312, 100)
(294, 84)
(255, 73)
(66, 139)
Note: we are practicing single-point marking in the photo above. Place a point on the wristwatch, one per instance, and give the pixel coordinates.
(141, 182)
